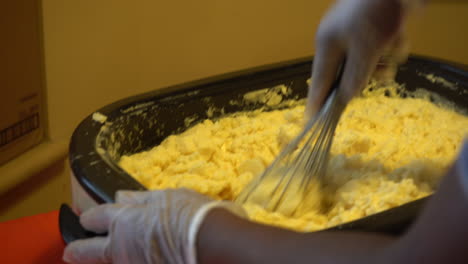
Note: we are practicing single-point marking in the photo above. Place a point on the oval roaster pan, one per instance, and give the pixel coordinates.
(132, 123)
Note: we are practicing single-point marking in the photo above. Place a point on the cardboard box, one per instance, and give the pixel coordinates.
(21, 78)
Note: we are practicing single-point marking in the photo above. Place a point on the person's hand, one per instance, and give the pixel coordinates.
(145, 227)
(365, 32)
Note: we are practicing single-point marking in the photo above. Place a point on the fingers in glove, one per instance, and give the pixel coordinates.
(327, 60)
(395, 54)
(400, 48)
(145, 197)
(136, 197)
(359, 66)
(99, 219)
(88, 251)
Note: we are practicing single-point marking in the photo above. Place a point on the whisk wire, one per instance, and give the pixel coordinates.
(293, 171)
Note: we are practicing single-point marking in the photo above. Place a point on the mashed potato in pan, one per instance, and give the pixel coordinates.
(387, 151)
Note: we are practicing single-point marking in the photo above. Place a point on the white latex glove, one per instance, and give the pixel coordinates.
(365, 31)
(145, 227)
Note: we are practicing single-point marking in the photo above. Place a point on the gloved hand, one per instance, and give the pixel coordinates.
(366, 32)
(145, 227)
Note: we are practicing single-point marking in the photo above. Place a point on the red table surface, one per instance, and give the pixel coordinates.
(35, 239)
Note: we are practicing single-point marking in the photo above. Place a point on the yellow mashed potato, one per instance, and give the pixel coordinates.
(387, 151)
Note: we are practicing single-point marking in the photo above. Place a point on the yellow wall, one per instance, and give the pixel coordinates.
(44, 192)
(441, 30)
(99, 51)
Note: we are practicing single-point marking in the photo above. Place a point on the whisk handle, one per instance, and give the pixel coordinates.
(337, 81)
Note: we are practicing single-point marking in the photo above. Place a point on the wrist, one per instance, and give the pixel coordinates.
(219, 210)
(214, 233)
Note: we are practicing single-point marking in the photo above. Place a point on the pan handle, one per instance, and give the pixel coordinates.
(70, 227)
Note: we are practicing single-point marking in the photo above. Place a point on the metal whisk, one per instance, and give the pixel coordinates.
(291, 177)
